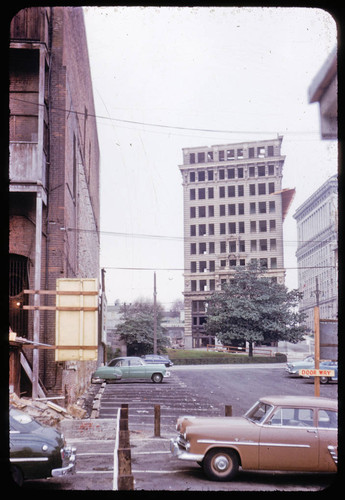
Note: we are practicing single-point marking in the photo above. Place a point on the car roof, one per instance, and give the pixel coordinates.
(307, 401)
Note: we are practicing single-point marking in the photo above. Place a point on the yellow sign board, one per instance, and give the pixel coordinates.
(76, 319)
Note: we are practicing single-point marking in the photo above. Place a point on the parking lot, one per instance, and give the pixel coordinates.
(198, 390)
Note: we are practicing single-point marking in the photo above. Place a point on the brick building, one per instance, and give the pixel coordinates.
(54, 176)
(234, 208)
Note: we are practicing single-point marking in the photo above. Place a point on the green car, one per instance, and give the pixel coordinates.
(37, 451)
(130, 367)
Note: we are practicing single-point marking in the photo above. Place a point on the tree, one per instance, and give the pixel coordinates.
(253, 308)
(137, 328)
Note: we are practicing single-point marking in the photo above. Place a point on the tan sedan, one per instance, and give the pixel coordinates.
(285, 433)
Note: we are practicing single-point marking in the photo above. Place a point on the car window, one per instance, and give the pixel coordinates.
(113, 362)
(328, 419)
(22, 422)
(135, 362)
(258, 412)
(296, 417)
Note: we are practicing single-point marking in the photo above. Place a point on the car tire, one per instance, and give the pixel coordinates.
(157, 378)
(324, 380)
(221, 464)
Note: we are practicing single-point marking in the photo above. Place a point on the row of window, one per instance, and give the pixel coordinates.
(232, 191)
(232, 173)
(232, 154)
(233, 246)
(261, 226)
(223, 263)
(261, 207)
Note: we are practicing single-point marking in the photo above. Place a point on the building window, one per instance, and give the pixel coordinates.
(230, 154)
(252, 171)
(232, 262)
(271, 187)
(251, 152)
(192, 212)
(222, 246)
(263, 245)
(241, 209)
(202, 211)
(231, 173)
(202, 248)
(223, 263)
(273, 263)
(202, 229)
(241, 227)
(253, 245)
(232, 209)
(212, 266)
(252, 189)
(193, 248)
(193, 285)
(261, 151)
(272, 225)
(201, 157)
(262, 188)
(193, 267)
(272, 207)
(222, 228)
(261, 170)
(192, 194)
(202, 266)
(270, 151)
(240, 153)
(240, 190)
(252, 208)
(193, 230)
(240, 173)
(221, 174)
(211, 211)
(201, 193)
(231, 191)
(273, 244)
(242, 246)
(253, 226)
(262, 207)
(210, 156)
(221, 210)
(211, 229)
(210, 192)
(232, 228)
(191, 176)
(242, 262)
(211, 247)
(262, 226)
(201, 175)
(202, 285)
(192, 158)
(212, 285)
(271, 169)
(222, 192)
(232, 246)
(263, 263)
(210, 175)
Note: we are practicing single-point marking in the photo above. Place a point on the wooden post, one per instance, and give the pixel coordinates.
(157, 421)
(317, 349)
(228, 410)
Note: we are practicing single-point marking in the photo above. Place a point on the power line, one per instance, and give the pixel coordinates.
(165, 126)
(197, 274)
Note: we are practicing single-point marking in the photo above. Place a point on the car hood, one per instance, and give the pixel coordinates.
(208, 424)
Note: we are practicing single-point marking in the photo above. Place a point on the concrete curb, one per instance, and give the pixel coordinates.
(97, 402)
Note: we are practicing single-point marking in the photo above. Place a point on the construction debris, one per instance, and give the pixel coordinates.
(46, 412)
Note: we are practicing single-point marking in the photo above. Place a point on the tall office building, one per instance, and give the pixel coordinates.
(234, 208)
(317, 252)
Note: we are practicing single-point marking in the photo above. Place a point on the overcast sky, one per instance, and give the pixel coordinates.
(196, 77)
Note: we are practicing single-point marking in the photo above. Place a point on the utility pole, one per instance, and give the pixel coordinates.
(317, 339)
(154, 314)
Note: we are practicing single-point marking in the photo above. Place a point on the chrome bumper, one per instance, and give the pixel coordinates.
(70, 455)
(183, 454)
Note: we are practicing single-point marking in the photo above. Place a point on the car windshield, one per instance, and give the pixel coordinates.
(258, 412)
(22, 422)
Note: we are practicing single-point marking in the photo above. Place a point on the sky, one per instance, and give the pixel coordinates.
(166, 78)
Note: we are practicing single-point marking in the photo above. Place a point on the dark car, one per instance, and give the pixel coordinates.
(156, 358)
(37, 451)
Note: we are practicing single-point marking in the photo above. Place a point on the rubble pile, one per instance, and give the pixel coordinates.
(46, 412)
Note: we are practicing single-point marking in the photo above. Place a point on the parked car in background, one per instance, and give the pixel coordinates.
(293, 368)
(157, 359)
(327, 365)
(130, 367)
(37, 451)
(278, 433)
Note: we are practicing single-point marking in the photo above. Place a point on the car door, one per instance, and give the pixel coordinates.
(328, 435)
(137, 368)
(123, 365)
(289, 441)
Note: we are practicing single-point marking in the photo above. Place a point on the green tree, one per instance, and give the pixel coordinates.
(137, 328)
(253, 308)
